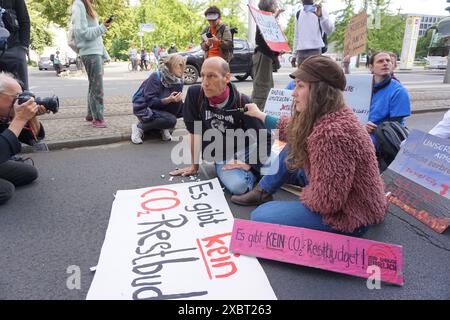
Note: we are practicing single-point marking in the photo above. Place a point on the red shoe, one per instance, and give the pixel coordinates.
(99, 124)
(89, 118)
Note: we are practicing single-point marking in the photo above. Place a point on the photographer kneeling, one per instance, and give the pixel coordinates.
(18, 123)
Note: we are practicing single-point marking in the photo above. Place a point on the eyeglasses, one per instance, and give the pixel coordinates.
(15, 95)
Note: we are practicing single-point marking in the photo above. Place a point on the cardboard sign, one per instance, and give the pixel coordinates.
(270, 30)
(172, 242)
(356, 35)
(323, 250)
(358, 95)
(279, 103)
(419, 179)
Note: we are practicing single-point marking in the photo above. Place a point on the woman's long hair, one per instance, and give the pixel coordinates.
(323, 99)
(89, 8)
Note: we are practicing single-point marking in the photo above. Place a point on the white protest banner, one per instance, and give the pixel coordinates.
(410, 40)
(358, 95)
(172, 242)
(279, 102)
(270, 30)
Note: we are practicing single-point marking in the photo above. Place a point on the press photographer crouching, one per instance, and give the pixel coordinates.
(18, 123)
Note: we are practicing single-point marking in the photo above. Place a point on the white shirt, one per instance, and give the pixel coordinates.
(442, 129)
(307, 32)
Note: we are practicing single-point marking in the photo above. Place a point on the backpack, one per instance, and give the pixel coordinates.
(4, 33)
(389, 136)
(324, 35)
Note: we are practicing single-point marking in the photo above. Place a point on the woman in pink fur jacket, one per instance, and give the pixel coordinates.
(329, 153)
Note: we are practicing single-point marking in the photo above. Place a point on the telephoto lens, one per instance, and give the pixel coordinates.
(50, 103)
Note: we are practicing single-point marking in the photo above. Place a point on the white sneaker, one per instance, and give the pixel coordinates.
(166, 136)
(136, 134)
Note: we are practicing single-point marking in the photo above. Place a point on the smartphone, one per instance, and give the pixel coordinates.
(110, 19)
(310, 8)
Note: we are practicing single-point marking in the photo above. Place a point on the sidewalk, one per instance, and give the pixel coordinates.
(68, 128)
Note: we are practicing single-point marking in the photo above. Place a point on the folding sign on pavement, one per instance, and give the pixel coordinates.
(172, 242)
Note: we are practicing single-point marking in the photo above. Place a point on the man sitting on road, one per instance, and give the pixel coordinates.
(18, 123)
(390, 99)
(213, 113)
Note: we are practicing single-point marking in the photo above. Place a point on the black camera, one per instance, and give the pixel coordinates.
(209, 35)
(50, 103)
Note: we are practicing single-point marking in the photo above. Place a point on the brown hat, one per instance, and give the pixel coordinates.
(320, 68)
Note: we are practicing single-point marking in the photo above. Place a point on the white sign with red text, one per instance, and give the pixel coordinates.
(279, 103)
(172, 242)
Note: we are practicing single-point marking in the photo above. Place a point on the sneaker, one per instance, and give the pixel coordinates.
(99, 124)
(89, 118)
(136, 134)
(166, 136)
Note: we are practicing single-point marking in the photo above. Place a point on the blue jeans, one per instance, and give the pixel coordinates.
(236, 181)
(291, 213)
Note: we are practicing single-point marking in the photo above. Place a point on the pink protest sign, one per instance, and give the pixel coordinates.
(323, 250)
(270, 30)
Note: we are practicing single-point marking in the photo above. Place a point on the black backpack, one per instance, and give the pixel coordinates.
(324, 35)
(389, 136)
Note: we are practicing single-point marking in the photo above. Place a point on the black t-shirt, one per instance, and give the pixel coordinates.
(226, 132)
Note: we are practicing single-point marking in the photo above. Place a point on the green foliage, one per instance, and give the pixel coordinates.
(342, 20)
(423, 45)
(40, 36)
(176, 21)
(390, 36)
(289, 31)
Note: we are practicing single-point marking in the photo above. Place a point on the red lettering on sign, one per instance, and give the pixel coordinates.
(176, 201)
(217, 256)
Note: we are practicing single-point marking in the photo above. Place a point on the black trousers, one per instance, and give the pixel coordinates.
(14, 61)
(14, 174)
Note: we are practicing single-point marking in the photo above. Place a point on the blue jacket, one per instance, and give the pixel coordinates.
(149, 97)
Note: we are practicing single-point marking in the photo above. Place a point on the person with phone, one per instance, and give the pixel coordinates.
(217, 40)
(263, 59)
(312, 24)
(88, 37)
(159, 100)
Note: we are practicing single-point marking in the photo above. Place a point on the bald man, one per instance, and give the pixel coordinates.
(18, 124)
(236, 143)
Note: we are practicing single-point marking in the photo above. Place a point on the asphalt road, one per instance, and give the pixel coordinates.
(61, 220)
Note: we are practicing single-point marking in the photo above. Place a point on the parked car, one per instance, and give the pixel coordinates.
(45, 64)
(240, 65)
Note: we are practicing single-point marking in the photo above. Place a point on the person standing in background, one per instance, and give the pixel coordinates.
(311, 23)
(88, 37)
(17, 21)
(263, 59)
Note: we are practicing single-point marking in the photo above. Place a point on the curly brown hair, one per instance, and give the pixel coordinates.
(323, 99)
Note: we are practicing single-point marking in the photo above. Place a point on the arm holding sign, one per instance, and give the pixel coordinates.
(325, 23)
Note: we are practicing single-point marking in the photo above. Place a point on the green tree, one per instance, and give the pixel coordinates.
(390, 36)
(424, 44)
(342, 20)
(39, 35)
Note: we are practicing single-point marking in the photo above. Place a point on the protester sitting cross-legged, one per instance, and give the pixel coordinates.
(237, 144)
(328, 153)
(158, 101)
(18, 123)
